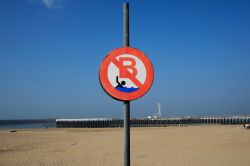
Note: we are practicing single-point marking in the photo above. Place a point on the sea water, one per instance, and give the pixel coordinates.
(28, 126)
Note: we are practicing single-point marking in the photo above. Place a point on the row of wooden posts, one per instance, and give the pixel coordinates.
(163, 122)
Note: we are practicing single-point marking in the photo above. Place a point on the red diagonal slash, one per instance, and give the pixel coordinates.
(129, 75)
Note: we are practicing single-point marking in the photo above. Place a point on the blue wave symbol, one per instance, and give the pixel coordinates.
(125, 89)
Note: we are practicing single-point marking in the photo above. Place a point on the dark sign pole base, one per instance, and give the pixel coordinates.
(126, 133)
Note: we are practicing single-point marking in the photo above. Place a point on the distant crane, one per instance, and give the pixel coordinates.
(158, 115)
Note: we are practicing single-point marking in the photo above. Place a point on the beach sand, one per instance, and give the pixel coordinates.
(166, 146)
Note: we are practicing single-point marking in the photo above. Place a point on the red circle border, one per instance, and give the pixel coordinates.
(113, 92)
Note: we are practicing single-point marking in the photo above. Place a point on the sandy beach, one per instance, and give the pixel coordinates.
(172, 146)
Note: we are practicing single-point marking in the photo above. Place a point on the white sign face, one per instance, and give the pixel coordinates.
(131, 63)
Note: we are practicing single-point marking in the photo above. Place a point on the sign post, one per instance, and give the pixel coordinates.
(126, 74)
(126, 103)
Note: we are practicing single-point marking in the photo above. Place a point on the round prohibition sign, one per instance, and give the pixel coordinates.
(126, 74)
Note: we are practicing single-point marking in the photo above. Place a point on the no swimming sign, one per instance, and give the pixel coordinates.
(126, 74)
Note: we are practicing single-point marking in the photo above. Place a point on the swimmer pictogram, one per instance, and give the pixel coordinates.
(122, 87)
(126, 74)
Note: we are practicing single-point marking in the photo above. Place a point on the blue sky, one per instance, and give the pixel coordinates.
(51, 50)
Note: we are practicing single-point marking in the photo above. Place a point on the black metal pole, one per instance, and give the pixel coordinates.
(126, 103)
(126, 133)
(126, 24)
